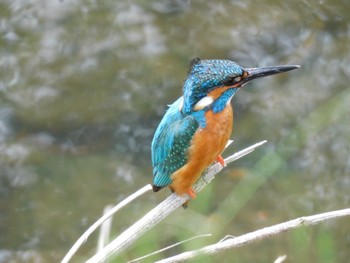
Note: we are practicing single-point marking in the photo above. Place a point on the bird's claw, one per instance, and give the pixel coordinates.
(221, 161)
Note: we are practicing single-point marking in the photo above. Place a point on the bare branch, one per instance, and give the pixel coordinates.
(168, 247)
(105, 229)
(161, 211)
(258, 235)
(92, 228)
(280, 259)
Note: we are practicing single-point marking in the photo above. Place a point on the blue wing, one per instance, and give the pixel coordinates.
(170, 144)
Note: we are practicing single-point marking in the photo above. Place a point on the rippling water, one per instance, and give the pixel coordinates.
(83, 85)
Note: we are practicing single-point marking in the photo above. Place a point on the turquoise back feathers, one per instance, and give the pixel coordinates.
(170, 144)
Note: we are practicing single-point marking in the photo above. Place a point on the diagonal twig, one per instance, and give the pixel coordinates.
(92, 228)
(157, 214)
(257, 235)
(168, 247)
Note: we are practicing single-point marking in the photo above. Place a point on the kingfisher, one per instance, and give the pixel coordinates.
(196, 127)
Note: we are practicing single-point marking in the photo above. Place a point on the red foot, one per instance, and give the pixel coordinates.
(192, 193)
(221, 161)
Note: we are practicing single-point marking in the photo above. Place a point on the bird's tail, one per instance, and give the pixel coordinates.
(156, 188)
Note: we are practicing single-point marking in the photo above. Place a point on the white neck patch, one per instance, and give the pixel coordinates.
(181, 103)
(204, 102)
(229, 101)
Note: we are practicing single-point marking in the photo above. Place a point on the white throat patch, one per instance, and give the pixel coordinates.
(202, 103)
(181, 104)
(229, 101)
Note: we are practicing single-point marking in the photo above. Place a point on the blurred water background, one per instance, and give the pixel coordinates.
(83, 85)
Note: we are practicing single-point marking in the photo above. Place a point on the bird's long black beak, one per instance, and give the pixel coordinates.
(254, 73)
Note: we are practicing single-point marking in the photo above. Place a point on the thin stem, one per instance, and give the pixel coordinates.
(111, 212)
(168, 247)
(105, 229)
(257, 235)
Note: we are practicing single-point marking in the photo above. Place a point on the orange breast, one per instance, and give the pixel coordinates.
(208, 143)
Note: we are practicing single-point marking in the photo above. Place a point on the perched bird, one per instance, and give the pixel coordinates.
(196, 128)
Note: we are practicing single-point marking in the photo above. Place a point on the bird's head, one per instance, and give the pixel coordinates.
(212, 83)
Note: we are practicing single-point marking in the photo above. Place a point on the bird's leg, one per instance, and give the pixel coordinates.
(191, 193)
(221, 161)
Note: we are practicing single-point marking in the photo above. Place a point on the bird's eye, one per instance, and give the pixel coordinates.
(232, 80)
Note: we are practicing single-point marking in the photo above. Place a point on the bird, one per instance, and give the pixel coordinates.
(197, 126)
